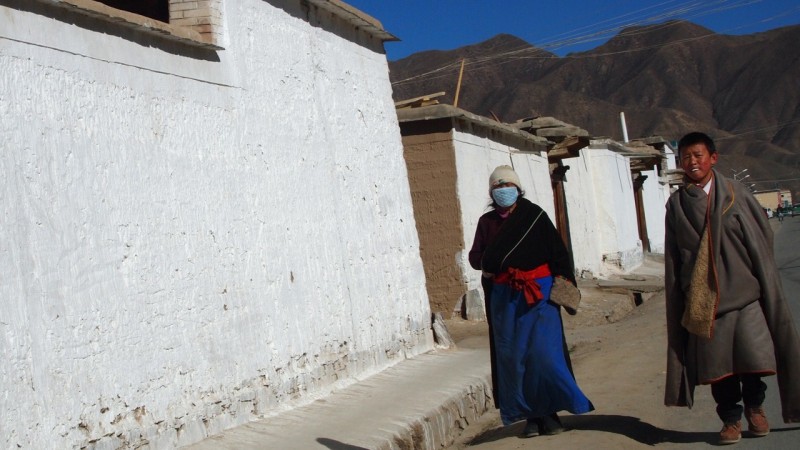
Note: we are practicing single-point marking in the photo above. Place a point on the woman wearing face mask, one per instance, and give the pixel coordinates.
(519, 251)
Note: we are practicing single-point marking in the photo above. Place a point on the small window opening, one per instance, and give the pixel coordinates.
(154, 9)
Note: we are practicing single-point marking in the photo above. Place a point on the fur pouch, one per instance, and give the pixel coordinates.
(566, 294)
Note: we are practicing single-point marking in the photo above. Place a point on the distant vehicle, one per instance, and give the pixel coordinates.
(796, 210)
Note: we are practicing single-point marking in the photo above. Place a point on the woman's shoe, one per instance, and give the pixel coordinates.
(531, 428)
(550, 425)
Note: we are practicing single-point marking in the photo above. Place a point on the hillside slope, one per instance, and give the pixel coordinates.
(668, 79)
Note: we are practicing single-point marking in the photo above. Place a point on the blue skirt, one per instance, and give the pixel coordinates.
(532, 373)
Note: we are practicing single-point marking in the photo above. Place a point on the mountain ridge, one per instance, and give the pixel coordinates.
(668, 79)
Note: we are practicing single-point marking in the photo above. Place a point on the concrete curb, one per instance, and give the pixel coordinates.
(421, 403)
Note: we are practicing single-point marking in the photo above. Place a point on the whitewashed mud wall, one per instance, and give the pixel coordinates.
(189, 244)
(534, 174)
(476, 158)
(622, 247)
(602, 213)
(582, 211)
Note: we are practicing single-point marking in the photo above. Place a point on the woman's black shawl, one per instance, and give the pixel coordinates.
(542, 244)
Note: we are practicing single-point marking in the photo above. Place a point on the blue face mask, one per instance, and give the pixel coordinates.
(505, 196)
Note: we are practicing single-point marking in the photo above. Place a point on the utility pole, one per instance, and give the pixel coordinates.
(624, 127)
(458, 86)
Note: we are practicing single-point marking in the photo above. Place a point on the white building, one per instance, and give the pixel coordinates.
(450, 155)
(602, 212)
(203, 222)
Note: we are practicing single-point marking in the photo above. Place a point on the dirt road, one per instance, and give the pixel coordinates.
(620, 367)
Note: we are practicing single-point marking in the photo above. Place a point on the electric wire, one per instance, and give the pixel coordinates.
(684, 10)
(747, 132)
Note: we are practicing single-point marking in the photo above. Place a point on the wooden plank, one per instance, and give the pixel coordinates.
(415, 102)
(568, 147)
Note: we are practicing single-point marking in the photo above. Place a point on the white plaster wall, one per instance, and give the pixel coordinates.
(654, 201)
(534, 173)
(622, 248)
(670, 158)
(602, 213)
(476, 158)
(582, 212)
(190, 244)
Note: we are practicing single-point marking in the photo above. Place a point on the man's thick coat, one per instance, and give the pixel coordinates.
(745, 289)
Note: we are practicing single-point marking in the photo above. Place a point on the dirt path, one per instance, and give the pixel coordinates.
(620, 367)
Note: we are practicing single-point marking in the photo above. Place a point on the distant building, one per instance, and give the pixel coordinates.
(769, 199)
(609, 196)
(602, 210)
(786, 198)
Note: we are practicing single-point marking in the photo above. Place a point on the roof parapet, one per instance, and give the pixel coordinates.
(443, 111)
(355, 17)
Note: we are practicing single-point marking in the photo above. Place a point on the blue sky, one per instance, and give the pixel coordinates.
(559, 26)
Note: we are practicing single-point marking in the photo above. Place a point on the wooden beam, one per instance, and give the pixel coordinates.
(416, 102)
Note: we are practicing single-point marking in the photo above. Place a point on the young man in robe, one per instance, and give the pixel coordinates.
(728, 322)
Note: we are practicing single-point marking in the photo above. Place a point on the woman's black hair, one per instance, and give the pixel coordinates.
(697, 137)
(494, 204)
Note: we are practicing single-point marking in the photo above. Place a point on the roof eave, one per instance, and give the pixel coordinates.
(355, 17)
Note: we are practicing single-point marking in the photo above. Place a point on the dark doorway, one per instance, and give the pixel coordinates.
(154, 9)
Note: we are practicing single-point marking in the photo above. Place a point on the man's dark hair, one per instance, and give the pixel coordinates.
(697, 137)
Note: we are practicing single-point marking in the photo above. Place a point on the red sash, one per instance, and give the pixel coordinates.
(522, 280)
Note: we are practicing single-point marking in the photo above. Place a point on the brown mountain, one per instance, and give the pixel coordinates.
(668, 79)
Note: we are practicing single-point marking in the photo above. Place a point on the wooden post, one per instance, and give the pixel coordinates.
(458, 86)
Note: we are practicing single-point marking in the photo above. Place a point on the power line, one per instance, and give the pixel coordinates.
(758, 130)
(571, 38)
(686, 10)
(772, 181)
